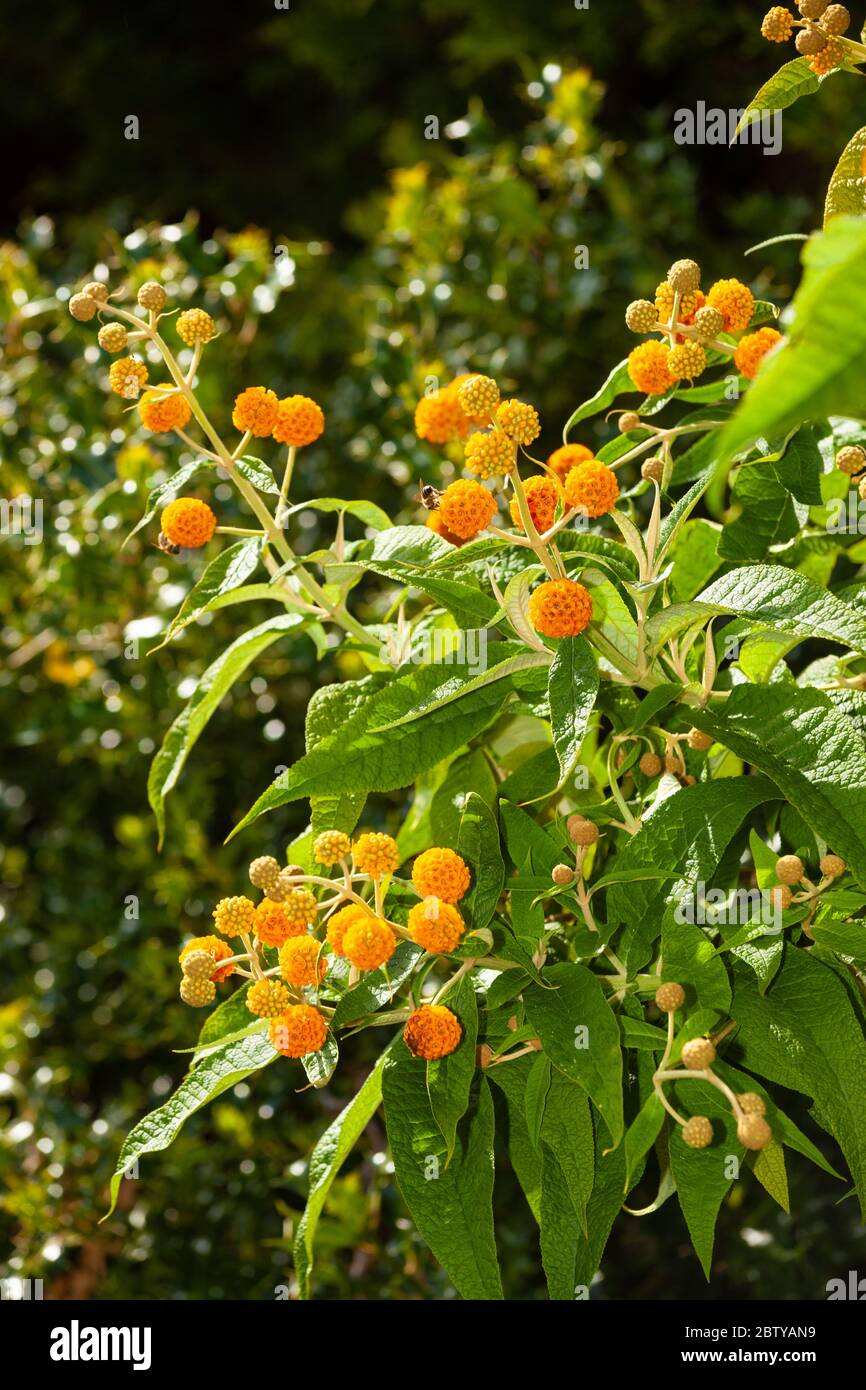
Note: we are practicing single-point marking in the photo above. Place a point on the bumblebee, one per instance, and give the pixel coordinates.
(166, 546)
(429, 496)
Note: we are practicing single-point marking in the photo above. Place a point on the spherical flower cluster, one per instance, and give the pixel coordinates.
(330, 847)
(112, 337)
(697, 1132)
(560, 608)
(188, 522)
(376, 854)
(670, 997)
(519, 421)
(368, 942)
(851, 460)
(196, 992)
(648, 368)
(299, 421)
(274, 925)
(82, 307)
(664, 303)
(264, 872)
(198, 965)
(478, 396)
(778, 24)
(592, 487)
(298, 1031)
(440, 873)
(753, 348)
(195, 326)
(542, 495)
(568, 456)
(162, 413)
(219, 950)
(255, 411)
(440, 418)
(152, 296)
(302, 962)
(489, 454)
(466, 508)
(817, 38)
(735, 302)
(126, 377)
(299, 905)
(641, 316)
(435, 524)
(432, 1031)
(267, 998)
(790, 868)
(687, 360)
(232, 916)
(436, 925)
(340, 923)
(684, 276)
(709, 323)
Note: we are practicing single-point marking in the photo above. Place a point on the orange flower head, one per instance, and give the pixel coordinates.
(436, 926)
(831, 56)
(255, 411)
(440, 873)
(735, 302)
(298, 1031)
(664, 302)
(274, 925)
(432, 1031)
(162, 413)
(648, 368)
(302, 962)
(220, 950)
(340, 923)
(489, 454)
(267, 998)
(195, 326)
(440, 419)
(753, 348)
(126, 377)
(188, 522)
(478, 397)
(299, 421)
(435, 524)
(368, 942)
(560, 608)
(568, 456)
(376, 854)
(777, 24)
(687, 360)
(466, 508)
(300, 907)
(519, 421)
(542, 495)
(593, 487)
(232, 916)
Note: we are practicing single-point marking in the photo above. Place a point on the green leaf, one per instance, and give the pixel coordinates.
(602, 1207)
(579, 1031)
(804, 1034)
(686, 835)
(326, 1160)
(450, 1203)
(478, 845)
(228, 571)
(359, 759)
(215, 1074)
(228, 1017)
(163, 493)
(846, 192)
(470, 605)
(510, 1078)
(848, 938)
(617, 382)
(572, 687)
(258, 474)
(812, 753)
(792, 81)
(703, 1177)
(818, 372)
(769, 1168)
(459, 686)
(366, 512)
(641, 1134)
(449, 1079)
(377, 987)
(211, 689)
(320, 1066)
(535, 1097)
(469, 773)
(247, 593)
(566, 1129)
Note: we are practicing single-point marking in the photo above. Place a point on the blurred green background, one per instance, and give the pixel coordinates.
(403, 257)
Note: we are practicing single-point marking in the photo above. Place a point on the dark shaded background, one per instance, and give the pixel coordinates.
(260, 128)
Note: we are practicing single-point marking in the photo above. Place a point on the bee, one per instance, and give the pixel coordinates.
(168, 547)
(429, 496)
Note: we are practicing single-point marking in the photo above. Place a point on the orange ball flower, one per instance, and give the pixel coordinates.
(163, 413)
(734, 301)
(753, 348)
(255, 411)
(437, 526)
(298, 1031)
(220, 950)
(466, 508)
(436, 926)
(301, 961)
(519, 421)
(195, 326)
(478, 397)
(267, 998)
(232, 916)
(376, 854)
(440, 873)
(340, 923)
(188, 522)
(432, 1031)
(274, 926)
(831, 56)
(593, 487)
(568, 456)
(299, 421)
(560, 608)
(369, 942)
(126, 377)
(489, 454)
(330, 847)
(440, 419)
(648, 368)
(542, 495)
